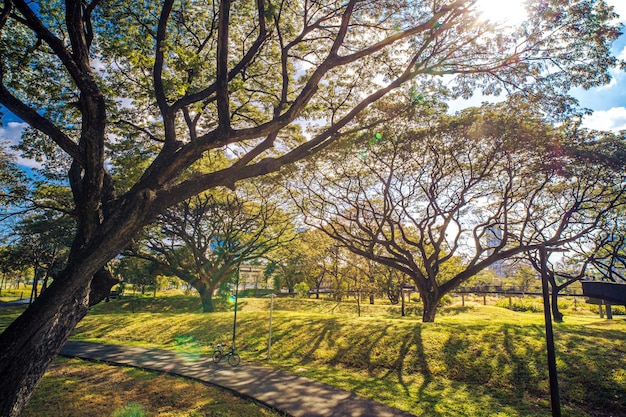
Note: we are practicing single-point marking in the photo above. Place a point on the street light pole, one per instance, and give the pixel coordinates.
(554, 382)
(236, 300)
(269, 338)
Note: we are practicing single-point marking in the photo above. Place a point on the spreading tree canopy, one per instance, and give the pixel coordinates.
(485, 185)
(254, 85)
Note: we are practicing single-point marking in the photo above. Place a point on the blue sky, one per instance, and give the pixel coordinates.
(608, 102)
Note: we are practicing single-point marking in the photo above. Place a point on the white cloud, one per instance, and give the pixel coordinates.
(620, 8)
(611, 84)
(10, 135)
(11, 132)
(612, 119)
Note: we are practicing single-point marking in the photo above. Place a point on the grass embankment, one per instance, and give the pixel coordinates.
(14, 294)
(474, 361)
(74, 387)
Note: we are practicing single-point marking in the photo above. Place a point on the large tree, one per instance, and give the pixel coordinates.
(167, 83)
(205, 239)
(485, 185)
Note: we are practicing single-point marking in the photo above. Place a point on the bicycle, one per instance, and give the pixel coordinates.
(233, 357)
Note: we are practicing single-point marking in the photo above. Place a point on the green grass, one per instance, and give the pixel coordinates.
(14, 294)
(473, 361)
(73, 387)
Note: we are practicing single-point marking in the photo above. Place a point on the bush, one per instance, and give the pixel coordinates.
(446, 300)
(521, 304)
(302, 288)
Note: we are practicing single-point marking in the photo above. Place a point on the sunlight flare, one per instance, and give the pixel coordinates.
(509, 12)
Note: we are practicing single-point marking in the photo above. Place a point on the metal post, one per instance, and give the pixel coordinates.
(554, 382)
(236, 300)
(269, 339)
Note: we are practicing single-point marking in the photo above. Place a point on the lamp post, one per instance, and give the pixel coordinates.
(236, 300)
(269, 338)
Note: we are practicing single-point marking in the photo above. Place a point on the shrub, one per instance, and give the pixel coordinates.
(446, 300)
(302, 288)
(521, 304)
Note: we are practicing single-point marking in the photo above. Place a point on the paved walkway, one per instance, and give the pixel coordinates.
(294, 395)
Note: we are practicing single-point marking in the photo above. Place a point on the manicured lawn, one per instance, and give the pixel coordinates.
(473, 361)
(73, 387)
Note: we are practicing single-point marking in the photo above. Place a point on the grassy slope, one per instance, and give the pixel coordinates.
(474, 361)
(73, 387)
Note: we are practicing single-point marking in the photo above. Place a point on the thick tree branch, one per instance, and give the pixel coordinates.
(35, 120)
(223, 100)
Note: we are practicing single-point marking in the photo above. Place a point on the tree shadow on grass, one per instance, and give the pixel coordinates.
(308, 347)
(412, 359)
(366, 354)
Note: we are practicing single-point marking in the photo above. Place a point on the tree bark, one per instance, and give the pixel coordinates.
(207, 302)
(30, 343)
(430, 299)
(556, 313)
(206, 295)
(33, 340)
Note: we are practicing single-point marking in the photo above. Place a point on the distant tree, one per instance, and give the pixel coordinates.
(139, 273)
(600, 255)
(14, 266)
(13, 187)
(302, 288)
(525, 277)
(167, 83)
(365, 275)
(40, 230)
(303, 259)
(204, 240)
(43, 241)
(391, 281)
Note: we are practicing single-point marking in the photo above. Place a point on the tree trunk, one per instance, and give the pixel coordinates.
(430, 300)
(556, 313)
(28, 347)
(33, 290)
(207, 302)
(557, 316)
(206, 295)
(30, 343)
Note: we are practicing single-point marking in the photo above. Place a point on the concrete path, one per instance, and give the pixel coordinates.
(293, 395)
(15, 303)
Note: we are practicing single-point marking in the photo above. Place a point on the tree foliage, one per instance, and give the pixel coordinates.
(261, 84)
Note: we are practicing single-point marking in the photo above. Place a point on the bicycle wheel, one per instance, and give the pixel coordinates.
(217, 356)
(234, 359)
